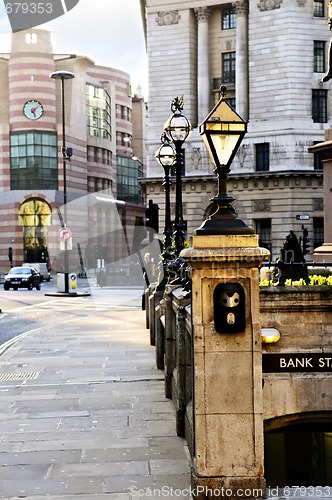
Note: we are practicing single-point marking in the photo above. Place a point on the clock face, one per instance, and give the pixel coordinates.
(33, 110)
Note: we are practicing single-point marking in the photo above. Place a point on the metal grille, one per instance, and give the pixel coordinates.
(8, 377)
(37, 350)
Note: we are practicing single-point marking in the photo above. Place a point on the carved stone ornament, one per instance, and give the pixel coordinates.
(264, 5)
(202, 13)
(301, 3)
(196, 158)
(318, 204)
(168, 17)
(262, 205)
(241, 7)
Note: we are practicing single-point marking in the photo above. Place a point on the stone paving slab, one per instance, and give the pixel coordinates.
(94, 423)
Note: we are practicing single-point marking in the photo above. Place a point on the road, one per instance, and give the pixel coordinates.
(24, 310)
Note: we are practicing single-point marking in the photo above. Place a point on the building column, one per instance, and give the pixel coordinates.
(242, 72)
(203, 66)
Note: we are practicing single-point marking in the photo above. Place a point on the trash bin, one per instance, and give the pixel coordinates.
(60, 282)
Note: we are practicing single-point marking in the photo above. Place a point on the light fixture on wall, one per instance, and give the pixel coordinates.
(270, 335)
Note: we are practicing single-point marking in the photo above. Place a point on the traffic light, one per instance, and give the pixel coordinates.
(305, 242)
(152, 217)
(10, 255)
(98, 251)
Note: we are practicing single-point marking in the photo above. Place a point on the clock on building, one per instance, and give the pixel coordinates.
(33, 109)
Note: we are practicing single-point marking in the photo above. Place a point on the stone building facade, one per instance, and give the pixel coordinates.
(98, 120)
(271, 56)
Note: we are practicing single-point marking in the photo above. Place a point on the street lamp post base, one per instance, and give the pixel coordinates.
(224, 220)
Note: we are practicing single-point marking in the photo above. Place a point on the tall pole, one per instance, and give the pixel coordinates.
(64, 164)
(166, 156)
(64, 75)
(177, 129)
(179, 224)
(168, 225)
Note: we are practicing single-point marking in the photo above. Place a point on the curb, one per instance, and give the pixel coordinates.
(12, 341)
(64, 294)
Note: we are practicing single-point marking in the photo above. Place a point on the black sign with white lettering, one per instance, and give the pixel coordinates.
(299, 362)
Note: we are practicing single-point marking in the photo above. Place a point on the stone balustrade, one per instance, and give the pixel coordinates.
(302, 315)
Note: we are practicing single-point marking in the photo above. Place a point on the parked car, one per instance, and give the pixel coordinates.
(22, 277)
(41, 267)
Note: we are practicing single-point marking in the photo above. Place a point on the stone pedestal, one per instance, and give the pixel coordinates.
(228, 423)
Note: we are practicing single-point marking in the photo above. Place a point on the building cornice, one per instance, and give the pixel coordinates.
(237, 176)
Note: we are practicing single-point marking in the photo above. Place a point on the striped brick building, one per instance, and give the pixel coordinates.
(98, 128)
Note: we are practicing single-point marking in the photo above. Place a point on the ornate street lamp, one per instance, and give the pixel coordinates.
(177, 129)
(66, 155)
(166, 158)
(222, 132)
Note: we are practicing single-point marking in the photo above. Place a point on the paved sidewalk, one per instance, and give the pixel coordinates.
(83, 413)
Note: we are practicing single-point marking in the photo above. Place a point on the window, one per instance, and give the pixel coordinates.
(128, 188)
(318, 8)
(228, 67)
(318, 229)
(319, 105)
(31, 38)
(319, 57)
(33, 160)
(228, 18)
(123, 139)
(98, 105)
(263, 229)
(262, 157)
(232, 102)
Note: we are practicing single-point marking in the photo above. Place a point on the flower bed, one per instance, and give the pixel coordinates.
(313, 280)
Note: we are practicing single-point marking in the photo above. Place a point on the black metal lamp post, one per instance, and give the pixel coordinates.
(166, 158)
(177, 129)
(66, 155)
(222, 132)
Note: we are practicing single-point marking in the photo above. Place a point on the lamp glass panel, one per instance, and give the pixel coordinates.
(165, 155)
(224, 146)
(178, 128)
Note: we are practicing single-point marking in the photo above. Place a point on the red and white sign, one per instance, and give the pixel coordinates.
(64, 234)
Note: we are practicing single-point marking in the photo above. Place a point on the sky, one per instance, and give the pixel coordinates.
(109, 32)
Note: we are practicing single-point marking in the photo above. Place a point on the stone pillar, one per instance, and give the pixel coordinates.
(324, 252)
(203, 66)
(242, 71)
(228, 421)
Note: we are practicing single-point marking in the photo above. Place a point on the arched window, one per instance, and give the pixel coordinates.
(35, 215)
